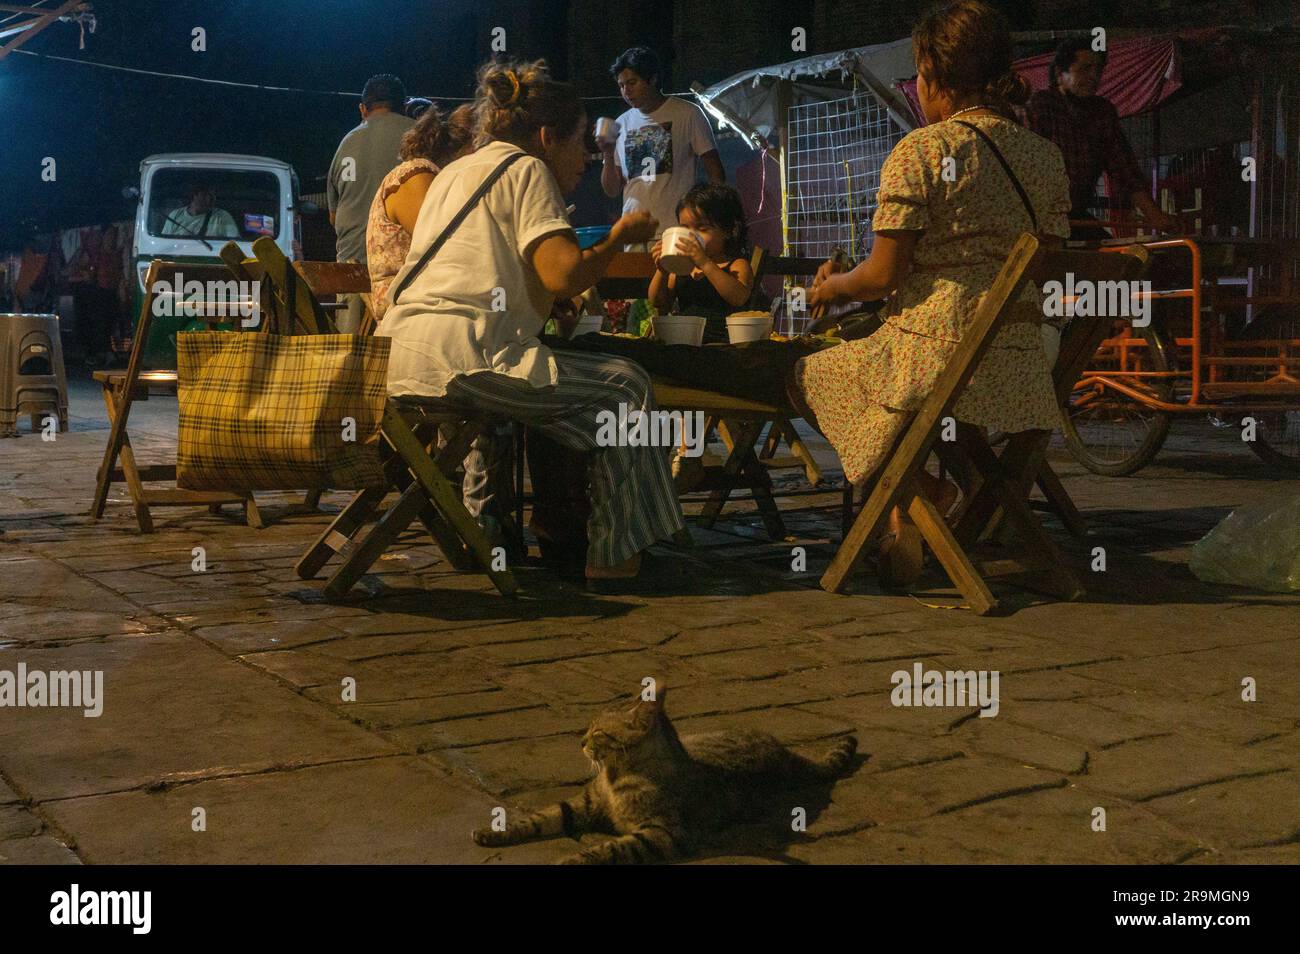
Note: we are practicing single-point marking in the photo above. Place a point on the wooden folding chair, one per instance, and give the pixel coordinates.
(425, 478)
(1000, 481)
(121, 389)
(299, 311)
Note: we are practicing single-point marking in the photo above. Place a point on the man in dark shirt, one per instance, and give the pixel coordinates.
(1086, 128)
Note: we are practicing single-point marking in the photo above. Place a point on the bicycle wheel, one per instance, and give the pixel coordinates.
(1277, 439)
(1111, 433)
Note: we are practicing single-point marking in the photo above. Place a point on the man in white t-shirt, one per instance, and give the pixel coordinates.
(660, 138)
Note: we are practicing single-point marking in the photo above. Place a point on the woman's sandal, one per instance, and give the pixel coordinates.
(614, 580)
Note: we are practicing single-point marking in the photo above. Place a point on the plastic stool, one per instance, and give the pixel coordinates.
(32, 379)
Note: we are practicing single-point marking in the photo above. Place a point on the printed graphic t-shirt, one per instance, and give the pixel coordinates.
(664, 143)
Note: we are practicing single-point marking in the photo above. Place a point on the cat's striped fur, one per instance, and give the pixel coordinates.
(659, 794)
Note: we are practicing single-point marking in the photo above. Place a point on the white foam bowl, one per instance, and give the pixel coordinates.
(748, 327)
(672, 259)
(587, 324)
(680, 329)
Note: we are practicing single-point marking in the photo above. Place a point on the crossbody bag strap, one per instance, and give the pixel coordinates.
(454, 224)
(1020, 190)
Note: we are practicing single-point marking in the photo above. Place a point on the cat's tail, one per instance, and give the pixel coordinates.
(835, 761)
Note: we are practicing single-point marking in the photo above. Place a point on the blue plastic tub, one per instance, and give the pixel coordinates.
(589, 235)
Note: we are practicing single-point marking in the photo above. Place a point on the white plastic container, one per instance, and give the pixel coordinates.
(673, 259)
(587, 324)
(680, 329)
(607, 129)
(742, 328)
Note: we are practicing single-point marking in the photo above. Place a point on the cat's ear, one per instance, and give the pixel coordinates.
(649, 707)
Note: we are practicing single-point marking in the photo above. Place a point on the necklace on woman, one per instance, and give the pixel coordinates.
(969, 109)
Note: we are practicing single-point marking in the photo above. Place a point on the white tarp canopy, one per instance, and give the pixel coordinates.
(752, 96)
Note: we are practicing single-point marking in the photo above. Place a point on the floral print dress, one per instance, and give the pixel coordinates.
(387, 242)
(864, 392)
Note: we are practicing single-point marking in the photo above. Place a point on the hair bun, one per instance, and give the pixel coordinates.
(1011, 88)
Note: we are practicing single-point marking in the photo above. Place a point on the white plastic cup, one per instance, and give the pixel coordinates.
(680, 329)
(672, 258)
(607, 129)
(742, 328)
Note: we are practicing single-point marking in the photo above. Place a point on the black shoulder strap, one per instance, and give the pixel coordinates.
(1020, 190)
(454, 224)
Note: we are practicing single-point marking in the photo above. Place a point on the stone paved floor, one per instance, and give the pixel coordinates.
(223, 688)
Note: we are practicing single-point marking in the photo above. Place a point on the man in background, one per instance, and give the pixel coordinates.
(660, 138)
(200, 216)
(364, 157)
(1085, 127)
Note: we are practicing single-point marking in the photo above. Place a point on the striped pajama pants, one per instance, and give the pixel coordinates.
(633, 499)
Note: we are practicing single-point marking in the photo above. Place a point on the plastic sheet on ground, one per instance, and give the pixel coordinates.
(1256, 546)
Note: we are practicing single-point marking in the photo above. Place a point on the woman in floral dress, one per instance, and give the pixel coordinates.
(947, 216)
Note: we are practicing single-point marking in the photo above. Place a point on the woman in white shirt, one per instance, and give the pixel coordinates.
(465, 325)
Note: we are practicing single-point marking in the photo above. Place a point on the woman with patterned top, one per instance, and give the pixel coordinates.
(947, 215)
(427, 146)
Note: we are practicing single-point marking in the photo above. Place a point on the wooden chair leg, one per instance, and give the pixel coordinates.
(444, 497)
(812, 470)
(761, 487)
(381, 536)
(951, 556)
(458, 442)
(1058, 498)
(311, 499)
(338, 535)
(252, 515)
(1052, 575)
(126, 456)
(741, 443)
(884, 496)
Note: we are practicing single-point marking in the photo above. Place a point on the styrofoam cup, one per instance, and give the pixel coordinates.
(748, 327)
(680, 329)
(672, 258)
(607, 129)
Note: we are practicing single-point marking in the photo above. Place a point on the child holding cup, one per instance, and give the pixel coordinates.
(709, 273)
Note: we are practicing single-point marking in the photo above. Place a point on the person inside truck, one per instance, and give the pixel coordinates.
(200, 217)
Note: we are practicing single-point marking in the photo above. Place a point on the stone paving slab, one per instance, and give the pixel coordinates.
(173, 708)
(323, 814)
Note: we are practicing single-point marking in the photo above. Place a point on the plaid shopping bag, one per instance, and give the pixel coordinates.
(279, 412)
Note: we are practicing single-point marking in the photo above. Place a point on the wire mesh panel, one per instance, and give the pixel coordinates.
(834, 152)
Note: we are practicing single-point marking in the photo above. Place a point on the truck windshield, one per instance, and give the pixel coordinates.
(214, 204)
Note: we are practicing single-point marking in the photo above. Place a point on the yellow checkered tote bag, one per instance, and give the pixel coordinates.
(279, 412)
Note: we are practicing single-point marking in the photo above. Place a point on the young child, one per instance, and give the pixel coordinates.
(721, 280)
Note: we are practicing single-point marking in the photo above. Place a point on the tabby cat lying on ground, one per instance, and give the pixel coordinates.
(660, 794)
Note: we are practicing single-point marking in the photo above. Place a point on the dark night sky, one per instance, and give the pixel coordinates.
(99, 124)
